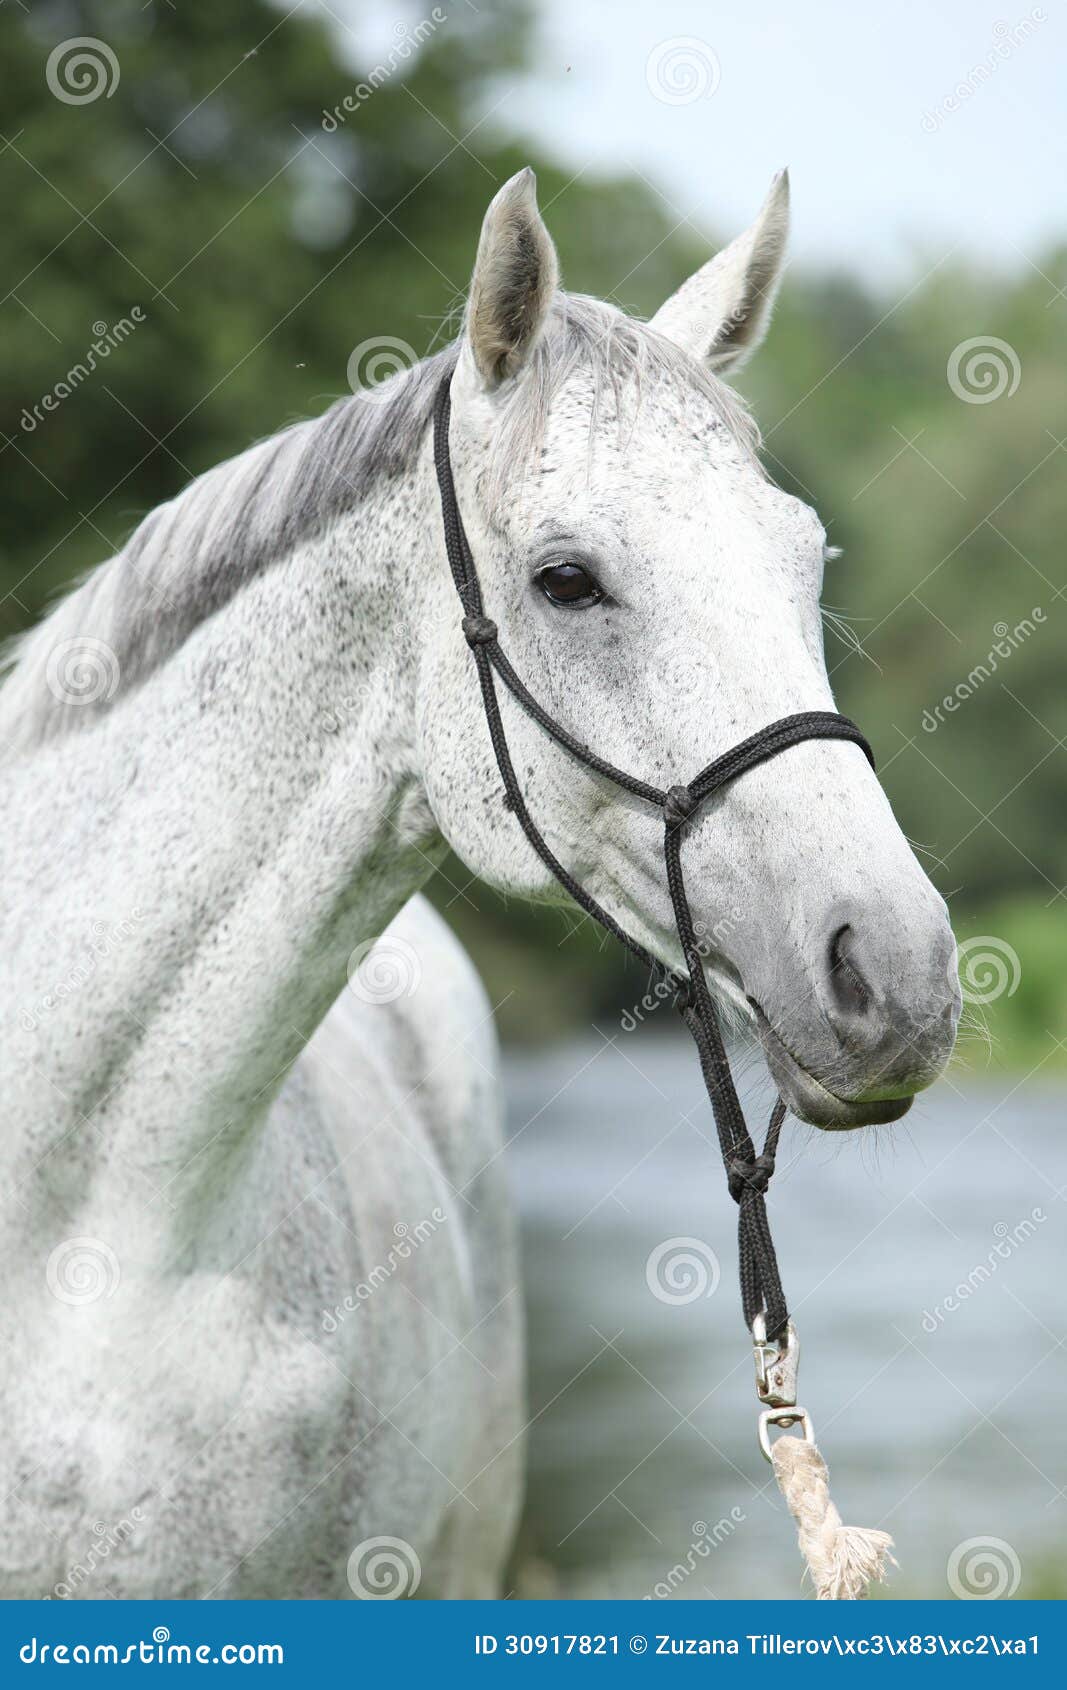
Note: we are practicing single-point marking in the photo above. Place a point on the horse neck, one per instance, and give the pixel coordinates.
(205, 858)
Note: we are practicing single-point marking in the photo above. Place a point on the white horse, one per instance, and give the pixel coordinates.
(261, 1320)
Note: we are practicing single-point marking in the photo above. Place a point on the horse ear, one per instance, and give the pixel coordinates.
(515, 276)
(722, 312)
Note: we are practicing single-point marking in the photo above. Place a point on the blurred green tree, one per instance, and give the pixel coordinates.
(211, 185)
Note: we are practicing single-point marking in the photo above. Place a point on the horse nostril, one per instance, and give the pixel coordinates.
(848, 988)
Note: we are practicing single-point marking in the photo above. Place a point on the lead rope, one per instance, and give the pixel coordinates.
(841, 1559)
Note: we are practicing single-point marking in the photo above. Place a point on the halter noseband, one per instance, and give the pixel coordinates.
(748, 1174)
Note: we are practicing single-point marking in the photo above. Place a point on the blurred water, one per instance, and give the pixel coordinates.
(645, 1410)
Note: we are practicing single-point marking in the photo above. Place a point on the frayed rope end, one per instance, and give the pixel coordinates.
(860, 1557)
(842, 1560)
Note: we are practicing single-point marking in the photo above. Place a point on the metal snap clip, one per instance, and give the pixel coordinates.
(784, 1418)
(777, 1364)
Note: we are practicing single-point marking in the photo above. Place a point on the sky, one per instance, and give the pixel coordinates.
(708, 100)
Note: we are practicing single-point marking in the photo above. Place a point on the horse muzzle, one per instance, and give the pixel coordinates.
(855, 1050)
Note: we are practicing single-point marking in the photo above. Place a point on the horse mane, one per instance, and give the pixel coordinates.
(189, 557)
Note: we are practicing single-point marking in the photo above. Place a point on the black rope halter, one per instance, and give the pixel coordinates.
(748, 1174)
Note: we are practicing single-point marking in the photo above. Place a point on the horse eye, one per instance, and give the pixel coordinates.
(569, 583)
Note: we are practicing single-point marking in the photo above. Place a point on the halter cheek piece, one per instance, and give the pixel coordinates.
(748, 1174)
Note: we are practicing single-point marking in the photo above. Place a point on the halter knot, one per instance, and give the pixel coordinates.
(745, 1175)
(761, 1287)
(479, 630)
(678, 805)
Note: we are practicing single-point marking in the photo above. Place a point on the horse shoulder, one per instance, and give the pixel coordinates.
(413, 1036)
